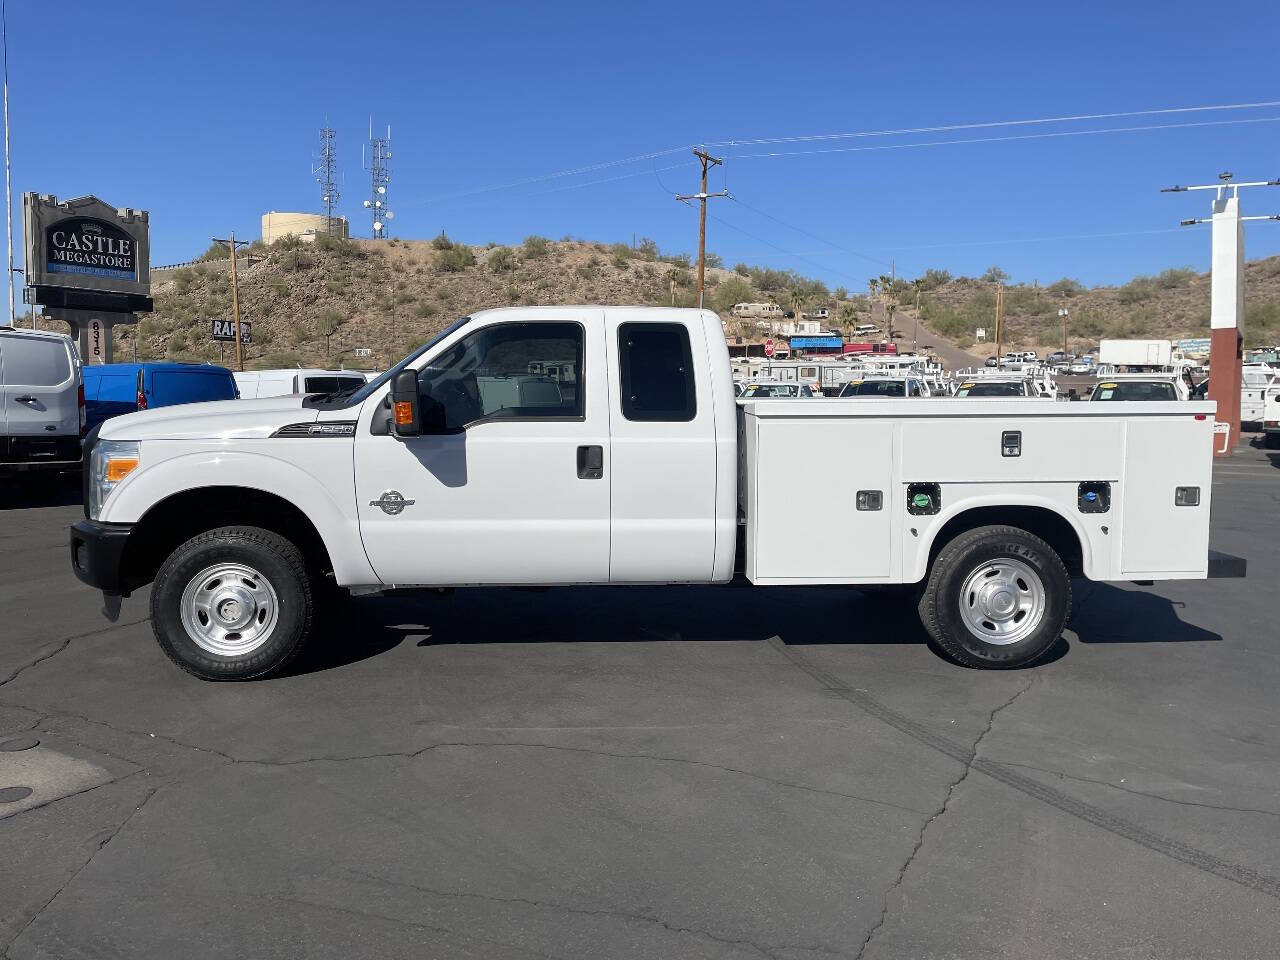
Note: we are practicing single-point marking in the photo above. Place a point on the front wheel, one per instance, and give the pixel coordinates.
(233, 604)
(997, 597)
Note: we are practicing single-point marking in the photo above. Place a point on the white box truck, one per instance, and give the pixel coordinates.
(465, 464)
(1144, 354)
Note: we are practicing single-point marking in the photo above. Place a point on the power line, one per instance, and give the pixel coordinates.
(1008, 139)
(1013, 241)
(1002, 123)
(783, 250)
(814, 236)
(652, 155)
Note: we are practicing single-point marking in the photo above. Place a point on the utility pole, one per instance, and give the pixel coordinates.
(232, 243)
(8, 189)
(708, 161)
(1063, 312)
(999, 318)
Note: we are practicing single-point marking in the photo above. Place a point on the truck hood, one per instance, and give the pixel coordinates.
(218, 420)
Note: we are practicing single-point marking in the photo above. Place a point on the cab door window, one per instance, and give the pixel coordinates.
(656, 372)
(508, 371)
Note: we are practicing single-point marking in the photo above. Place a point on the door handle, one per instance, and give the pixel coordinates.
(590, 462)
(25, 399)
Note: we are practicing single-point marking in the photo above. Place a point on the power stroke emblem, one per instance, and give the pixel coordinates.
(392, 502)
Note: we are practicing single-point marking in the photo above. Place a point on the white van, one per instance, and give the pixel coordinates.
(865, 330)
(41, 401)
(253, 384)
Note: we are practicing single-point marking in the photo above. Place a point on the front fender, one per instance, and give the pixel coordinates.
(325, 493)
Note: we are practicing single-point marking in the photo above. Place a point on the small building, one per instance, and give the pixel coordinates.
(304, 226)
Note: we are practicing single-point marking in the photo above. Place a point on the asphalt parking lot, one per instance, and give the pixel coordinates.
(633, 772)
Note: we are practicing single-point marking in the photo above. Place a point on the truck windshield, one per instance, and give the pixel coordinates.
(1134, 390)
(352, 397)
(875, 388)
(991, 390)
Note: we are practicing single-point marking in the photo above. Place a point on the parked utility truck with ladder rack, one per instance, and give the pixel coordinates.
(466, 464)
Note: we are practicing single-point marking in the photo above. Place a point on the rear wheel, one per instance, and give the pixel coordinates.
(997, 597)
(233, 603)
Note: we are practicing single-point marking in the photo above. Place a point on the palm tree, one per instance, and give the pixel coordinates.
(797, 301)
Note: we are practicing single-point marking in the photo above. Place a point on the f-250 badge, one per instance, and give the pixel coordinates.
(391, 503)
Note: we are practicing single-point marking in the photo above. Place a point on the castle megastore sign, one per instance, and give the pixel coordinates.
(90, 247)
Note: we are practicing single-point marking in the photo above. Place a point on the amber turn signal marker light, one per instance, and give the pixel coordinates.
(404, 412)
(118, 469)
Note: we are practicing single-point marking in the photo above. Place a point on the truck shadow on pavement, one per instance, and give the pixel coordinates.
(1104, 613)
(370, 626)
(39, 490)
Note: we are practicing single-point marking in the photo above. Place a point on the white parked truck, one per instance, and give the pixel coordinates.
(1123, 354)
(466, 464)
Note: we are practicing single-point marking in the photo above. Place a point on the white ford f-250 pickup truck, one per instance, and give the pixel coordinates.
(603, 445)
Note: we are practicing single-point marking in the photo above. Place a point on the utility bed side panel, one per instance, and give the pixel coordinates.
(1162, 540)
(810, 475)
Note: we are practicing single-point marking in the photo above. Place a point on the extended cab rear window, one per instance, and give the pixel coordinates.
(656, 369)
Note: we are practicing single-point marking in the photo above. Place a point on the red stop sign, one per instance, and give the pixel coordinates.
(768, 347)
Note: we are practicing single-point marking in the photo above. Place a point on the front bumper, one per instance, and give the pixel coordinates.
(97, 551)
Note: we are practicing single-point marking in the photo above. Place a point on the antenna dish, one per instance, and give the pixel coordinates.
(390, 215)
(366, 203)
(377, 224)
(382, 189)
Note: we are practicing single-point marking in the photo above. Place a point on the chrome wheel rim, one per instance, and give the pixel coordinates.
(1002, 601)
(229, 609)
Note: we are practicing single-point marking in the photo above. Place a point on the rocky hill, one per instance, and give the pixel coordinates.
(316, 304)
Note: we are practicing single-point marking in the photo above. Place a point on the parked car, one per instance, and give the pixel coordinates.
(1141, 388)
(42, 415)
(254, 384)
(113, 389)
(991, 387)
(245, 515)
(993, 361)
(1080, 367)
(885, 387)
(764, 389)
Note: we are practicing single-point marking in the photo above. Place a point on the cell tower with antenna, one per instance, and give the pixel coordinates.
(325, 171)
(379, 166)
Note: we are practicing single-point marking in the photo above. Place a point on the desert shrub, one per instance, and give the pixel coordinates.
(425, 310)
(442, 242)
(742, 270)
(455, 259)
(679, 259)
(535, 247)
(280, 360)
(502, 259)
(216, 251)
(1137, 290)
(294, 260)
(279, 287)
(734, 290)
(442, 293)
(648, 249)
(934, 278)
(994, 275)
(287, 242)
(1174, 277)
(343, 247)
(585, 271)
(1065, 288)
(840, 293)
(683, 278)
(178, 342)
(714, 260)
(620, 259)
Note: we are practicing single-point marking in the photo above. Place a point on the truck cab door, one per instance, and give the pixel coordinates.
(513, 486)
(663, 435)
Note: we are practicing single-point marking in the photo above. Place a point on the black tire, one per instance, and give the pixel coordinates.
(1271, 440)
(277, 560)
(969, 554)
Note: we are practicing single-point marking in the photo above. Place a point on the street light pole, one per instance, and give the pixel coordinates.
(1063, 313)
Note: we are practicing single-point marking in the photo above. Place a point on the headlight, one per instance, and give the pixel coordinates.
(110, 462)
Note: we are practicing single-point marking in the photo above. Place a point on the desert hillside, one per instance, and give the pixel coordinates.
(317, 304)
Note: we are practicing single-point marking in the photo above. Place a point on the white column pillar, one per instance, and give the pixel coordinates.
(1227, 280)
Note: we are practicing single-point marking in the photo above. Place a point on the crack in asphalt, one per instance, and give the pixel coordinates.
(78, 793)
(772, 952)
(414, 754)
(942, 808)
(102, 844)
(66, 642)
(1086, 812)
(1140, 793)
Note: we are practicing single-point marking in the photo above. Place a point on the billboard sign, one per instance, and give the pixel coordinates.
(86, 254)
(226, 330)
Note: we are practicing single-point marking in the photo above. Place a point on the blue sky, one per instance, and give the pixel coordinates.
(207, 115)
